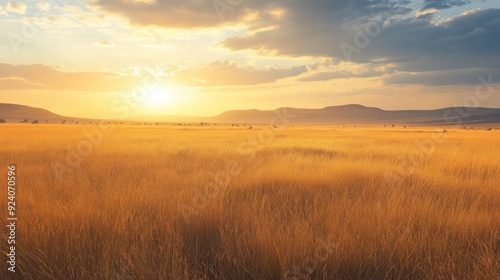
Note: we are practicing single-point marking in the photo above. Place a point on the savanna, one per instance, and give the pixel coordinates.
(224, 202)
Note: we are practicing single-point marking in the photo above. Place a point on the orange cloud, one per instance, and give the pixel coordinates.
(37, 76)
(220, 73)
(224, 73)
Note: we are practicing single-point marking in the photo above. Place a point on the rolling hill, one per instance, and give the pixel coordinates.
(17, 113)
(358, 114)
(346, 114)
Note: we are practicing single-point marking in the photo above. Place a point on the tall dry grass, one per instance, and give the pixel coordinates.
(118, 214)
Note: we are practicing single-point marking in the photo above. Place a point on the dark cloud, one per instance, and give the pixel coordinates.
(443, 4)
(316, 28)
(332, 75)
(469, 40)
(208, 13)
(450, 77)
(406, 39)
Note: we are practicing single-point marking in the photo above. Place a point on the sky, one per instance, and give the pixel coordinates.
(93, 58)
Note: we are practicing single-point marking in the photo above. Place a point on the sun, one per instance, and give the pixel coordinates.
(159, 97)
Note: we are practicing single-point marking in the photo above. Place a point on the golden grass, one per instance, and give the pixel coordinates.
(120, 214)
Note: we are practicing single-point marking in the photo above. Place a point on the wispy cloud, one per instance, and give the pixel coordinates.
(16, 7)
(443, 4)
(104, 44)
(225, 73)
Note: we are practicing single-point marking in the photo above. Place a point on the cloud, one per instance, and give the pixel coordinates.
(104, 44)
(401, 39)
(426, 13)
(333, 70)
(16, 82)
(381, 32)
(16, 7)
(207, 14)
(469, 40)
(43, 6)
(3, 11)
(46, 77)
(447, 77)
(465, 35)
(443, 4)
(332, 75)
(225, 73)
(220, 73)
(170, 13)
(318, 28)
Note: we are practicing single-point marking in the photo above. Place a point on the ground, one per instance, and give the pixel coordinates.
(224, 202)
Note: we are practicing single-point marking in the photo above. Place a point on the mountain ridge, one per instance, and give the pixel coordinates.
(342, 114)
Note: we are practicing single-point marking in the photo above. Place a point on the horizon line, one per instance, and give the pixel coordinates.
(254, 109)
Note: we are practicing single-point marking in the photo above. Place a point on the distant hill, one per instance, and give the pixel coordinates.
(358, 114)
(346, 114)
(17, 113)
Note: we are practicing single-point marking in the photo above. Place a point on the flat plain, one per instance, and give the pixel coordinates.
(225, 202)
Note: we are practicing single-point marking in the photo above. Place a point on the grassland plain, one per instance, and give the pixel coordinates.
(309, 202)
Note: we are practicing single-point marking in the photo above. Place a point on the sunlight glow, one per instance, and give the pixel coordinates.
(160, 96)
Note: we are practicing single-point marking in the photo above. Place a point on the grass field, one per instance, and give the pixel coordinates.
(170, 202)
